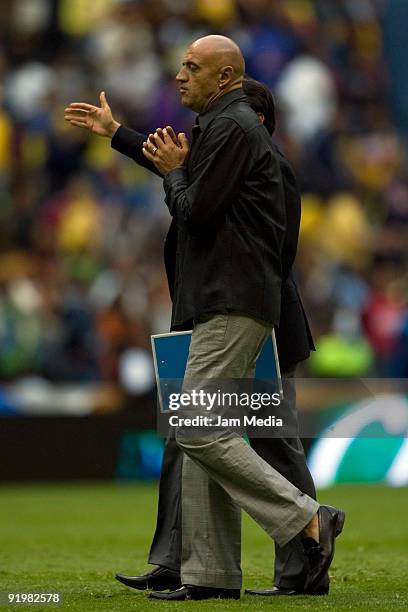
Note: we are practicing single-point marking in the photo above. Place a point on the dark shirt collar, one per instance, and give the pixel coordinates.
(205, 118)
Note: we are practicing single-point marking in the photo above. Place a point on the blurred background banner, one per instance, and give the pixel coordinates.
(82, 282)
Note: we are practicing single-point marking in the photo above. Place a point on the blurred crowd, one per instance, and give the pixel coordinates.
(82, 283)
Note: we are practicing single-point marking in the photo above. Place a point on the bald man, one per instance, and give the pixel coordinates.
(226, 199)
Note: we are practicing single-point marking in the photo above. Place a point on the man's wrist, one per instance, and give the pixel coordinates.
(180, 167)
(176, 171)
(113, 129)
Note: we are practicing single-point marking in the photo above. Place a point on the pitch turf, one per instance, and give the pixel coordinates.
(72, 539)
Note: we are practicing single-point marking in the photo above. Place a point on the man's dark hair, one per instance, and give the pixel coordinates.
(261, 100)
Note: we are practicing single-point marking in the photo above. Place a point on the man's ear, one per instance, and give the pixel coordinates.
(225, 76)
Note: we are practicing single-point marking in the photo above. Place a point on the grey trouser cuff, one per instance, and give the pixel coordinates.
(286, 532)
(217, 580)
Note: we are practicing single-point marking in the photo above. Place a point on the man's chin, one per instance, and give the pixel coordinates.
(184, 98)
(188, 103)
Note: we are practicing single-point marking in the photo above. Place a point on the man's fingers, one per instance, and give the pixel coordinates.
(150, 146)
(153, 143)
(102, 100)
(70, 117)
(162, 136)
(183, 140)
(80, 124)
(147, 154)
(75, 119)
(82, 106)
(172, 134)
(159, 135)
(166, 136)
(75, 114)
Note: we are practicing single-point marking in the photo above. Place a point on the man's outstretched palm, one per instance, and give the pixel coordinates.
(96, 119)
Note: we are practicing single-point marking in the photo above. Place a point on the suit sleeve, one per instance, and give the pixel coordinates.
(130, 143)
(293, 212)
(219, 169)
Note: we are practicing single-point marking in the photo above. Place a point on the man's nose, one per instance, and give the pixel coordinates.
(181, 75)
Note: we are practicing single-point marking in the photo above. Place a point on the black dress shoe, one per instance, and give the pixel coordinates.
(160, 578)
(319, 588)
(272, 592)
(189, 591)
(320, 554)
(322, 588)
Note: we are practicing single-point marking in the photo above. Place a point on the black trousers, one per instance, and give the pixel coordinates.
(286, 455)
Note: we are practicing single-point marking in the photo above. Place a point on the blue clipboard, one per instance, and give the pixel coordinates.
(170, 353)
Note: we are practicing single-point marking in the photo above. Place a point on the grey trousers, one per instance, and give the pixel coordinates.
(221, 473)
(285, 454)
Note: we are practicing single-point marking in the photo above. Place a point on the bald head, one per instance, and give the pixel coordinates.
(212, 66)
(222, 51)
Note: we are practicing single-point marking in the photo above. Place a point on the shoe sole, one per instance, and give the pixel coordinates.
(191, 597)
(271, 594)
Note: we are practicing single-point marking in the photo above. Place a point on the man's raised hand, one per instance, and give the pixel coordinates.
(96, 119)
(166, 150)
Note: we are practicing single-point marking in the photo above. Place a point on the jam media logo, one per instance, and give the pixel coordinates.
(368, 443)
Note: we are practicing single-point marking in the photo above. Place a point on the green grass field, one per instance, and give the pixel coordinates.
(73, 538)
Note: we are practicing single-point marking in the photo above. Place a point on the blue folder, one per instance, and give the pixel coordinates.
(170, 353)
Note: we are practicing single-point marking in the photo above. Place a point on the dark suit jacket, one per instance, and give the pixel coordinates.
(293, 336)
(229, 207)
(294, 339)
